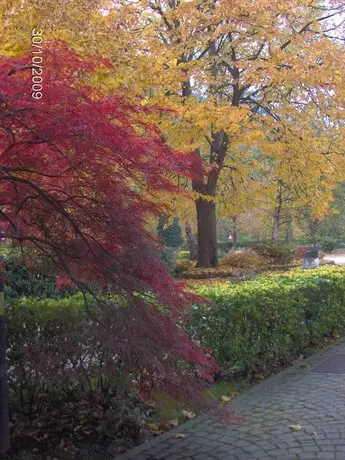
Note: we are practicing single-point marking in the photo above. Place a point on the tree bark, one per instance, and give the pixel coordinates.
(234, 230)
(277, 213)
(206, 183)
(289, 231)
(206, 209)
(276, 224)
(207, 234)
(313, 227)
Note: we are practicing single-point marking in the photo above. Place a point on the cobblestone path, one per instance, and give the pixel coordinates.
(306, 396)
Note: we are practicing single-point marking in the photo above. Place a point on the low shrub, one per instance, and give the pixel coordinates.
(246, 242)
(51, 349)
(278, 252)
(21, 281)
(300, 251)
(327, 262)
(328, 244)
(63, 349)
(183, 265)
(257, 324)
(244, 259)
(218, 272)
(182, 255)
(225, 246)
(64, 376)
(168, 256)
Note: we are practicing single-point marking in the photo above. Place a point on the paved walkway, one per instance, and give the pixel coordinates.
(338, 257)
(298, 395)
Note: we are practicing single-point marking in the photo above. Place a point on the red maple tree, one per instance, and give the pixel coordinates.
(77, 171)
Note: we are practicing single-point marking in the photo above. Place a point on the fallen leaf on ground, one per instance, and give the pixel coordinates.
(298, 360)
(165, 425)
(296, 427)
(178, 435)
(152, 426)
(173, 422)
(188, 414)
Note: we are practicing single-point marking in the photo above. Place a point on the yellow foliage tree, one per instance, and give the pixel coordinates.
(248, 76)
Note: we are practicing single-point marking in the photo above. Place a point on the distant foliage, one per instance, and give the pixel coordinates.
(183, 265)
(300, 251)
(219, 272)
(170, 233)
(277, 252)
(225, 246)
(243, 259)
(168, 257)
(329, 244)
(244, 241)
(182, 255)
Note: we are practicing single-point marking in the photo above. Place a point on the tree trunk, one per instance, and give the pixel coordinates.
(191, 243)
(276, 224)
(289, 231)
(277, 213)
(207, 234)
(205, 209)
(234, 230)
(313, 227)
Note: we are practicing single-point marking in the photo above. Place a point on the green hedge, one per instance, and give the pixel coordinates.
(38, 335)
(20, 282)
(56, 347)
(257, 324)
(63, 372)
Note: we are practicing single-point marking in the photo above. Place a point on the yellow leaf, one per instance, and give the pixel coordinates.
(152, 426)
(188, 414)
(296, 427)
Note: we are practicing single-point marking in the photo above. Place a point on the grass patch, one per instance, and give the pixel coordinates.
(172, 409)
(226, 389)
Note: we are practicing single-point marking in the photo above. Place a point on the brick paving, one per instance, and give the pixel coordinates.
(299, 395)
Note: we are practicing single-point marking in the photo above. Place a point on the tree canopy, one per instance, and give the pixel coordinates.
(255, 90)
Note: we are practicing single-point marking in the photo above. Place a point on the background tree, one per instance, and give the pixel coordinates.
(170, 232)
(334, 225)
(238, 78)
